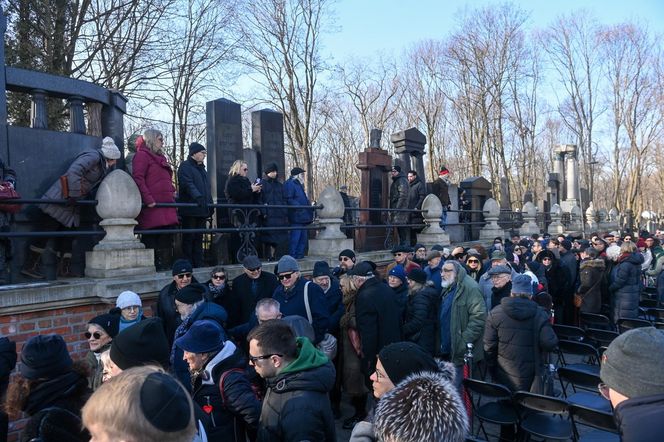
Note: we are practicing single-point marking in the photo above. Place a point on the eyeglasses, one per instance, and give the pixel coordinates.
(604, 391)
(222, 277)
(89, 335)
(254, 359)
(132, 308)
(254, 269)
(472, 261)
(184, 275)
(285, 276)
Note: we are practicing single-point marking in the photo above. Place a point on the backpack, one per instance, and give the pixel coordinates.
(257, 389)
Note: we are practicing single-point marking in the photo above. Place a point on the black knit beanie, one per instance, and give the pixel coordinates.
(404, 358)
(141, 344)
(45, 356)
(190, 294)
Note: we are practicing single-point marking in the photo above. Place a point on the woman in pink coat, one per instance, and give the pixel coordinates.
(154, 178)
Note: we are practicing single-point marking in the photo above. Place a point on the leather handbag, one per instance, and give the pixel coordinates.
(9, 193)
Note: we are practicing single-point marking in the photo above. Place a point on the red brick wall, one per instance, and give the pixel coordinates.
(69, 322)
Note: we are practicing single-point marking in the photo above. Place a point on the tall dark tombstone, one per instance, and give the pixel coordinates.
(374, 164)
(477, 191)
(267, 140)
(409, 146)
(224, 146)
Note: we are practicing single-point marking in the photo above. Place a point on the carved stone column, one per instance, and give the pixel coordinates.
(556, 226)
(491, 229)
(529, 227)
(432, 234)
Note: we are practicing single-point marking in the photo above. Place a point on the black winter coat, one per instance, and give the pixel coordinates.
(569, 262)
(244, 298)
(166, 309)
(223, 297)
(509, 343)
(194, 187)
(439, 188)
(239, 410)
(399, 199)
(625, 286)
(416, 194)
(557, 279)
(335, 307)
(401, 296)
(591, 272)
(378, 319)
(238, 190)
(639, 418)
(273, 194)
(297, 408)
(497, 294)
(420, 319)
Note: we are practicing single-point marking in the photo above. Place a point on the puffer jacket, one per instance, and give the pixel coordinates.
(420, 319)
(296, 406)
(399, 199)
(638, 419)
(194, 187)
(509, 343)
(239, 409)
(296, 196)
(625, 286)
(591, 272)
(416, 195)
(154, 178)
(83, 175)
(657, 261)
(273, 194)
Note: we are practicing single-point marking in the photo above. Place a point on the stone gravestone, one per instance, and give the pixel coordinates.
(409, 144)
(267, 140)
(477, 192)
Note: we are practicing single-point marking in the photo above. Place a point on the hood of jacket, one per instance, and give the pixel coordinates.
(308, 357)
(226, 352)
(592, 263)
(518, 308)
(310, 371)
(634, 258)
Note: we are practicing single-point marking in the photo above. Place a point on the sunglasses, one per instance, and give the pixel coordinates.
(89, 335)
(254, 269)
(222, 277)
(254, 359)
(344, 258)
(473, 261)
(184, 275)
(285, 276)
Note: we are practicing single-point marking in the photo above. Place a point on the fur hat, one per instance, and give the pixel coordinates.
(191, 294)
(417, 275)
(398, 272)
(109, 150)
(287, 264)
(633, 364)
(424, 406)
(127, 299)
(194, 148)
(141, 344)
(45, 356)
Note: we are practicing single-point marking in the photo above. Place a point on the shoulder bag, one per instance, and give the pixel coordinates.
(329, 343)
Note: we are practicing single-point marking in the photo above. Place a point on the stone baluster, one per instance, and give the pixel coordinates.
(529, 227)
(38, 111)
(576, 218)
(120, 253)
(592, 218)
(491, 229)
(614, 218)
(556, 226)
(330, 240)
(432, 234)
(76, 117)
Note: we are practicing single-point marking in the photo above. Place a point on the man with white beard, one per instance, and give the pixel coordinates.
(462, 315)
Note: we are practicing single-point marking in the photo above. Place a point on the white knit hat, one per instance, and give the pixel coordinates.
(127, 299)
(109, 149)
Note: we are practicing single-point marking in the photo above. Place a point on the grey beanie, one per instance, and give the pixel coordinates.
(633, 364)
(287, 264)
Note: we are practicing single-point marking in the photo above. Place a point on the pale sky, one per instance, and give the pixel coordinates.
(368, 26)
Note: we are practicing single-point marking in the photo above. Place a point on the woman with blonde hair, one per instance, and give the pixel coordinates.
(351, 376)
(239, 190)
(154, 178)
(142, 404)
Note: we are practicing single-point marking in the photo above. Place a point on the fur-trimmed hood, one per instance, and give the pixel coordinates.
(595, 263)
(424, 406)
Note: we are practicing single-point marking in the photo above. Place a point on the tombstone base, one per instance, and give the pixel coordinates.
(118, 262)
(556, 228)
(431, 239)
(328, 247)
(528, 230)
(490, 234)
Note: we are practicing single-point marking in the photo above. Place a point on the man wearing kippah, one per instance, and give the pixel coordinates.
(632, 373)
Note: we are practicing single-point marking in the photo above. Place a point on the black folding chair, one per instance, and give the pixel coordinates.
(589, 356)
(499, 410)
(583, 386)
(659, 325)
(595, 320)
(625, 324)
(544, 416)
(568, 332)
(600, 338)
(602, 422)
(655, 314)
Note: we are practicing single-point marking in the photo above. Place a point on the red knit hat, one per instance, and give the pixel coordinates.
(443, 171)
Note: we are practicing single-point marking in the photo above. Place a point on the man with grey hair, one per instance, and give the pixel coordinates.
(268, 309)
(461, 315)
(377, 315)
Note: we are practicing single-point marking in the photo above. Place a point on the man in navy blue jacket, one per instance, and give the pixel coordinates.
(290, 294)
(296, 196)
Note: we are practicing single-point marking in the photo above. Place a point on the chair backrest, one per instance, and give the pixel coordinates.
(625, 324)
(600, 337)
(579, 378)
(648, 303)
(659, 325)
(487, 389)
(655, 314)
(537, 402)
(595, 320)
(593, 418)
(568, 332)
(577, 348)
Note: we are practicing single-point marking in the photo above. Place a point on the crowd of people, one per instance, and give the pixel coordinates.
(269, 356)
